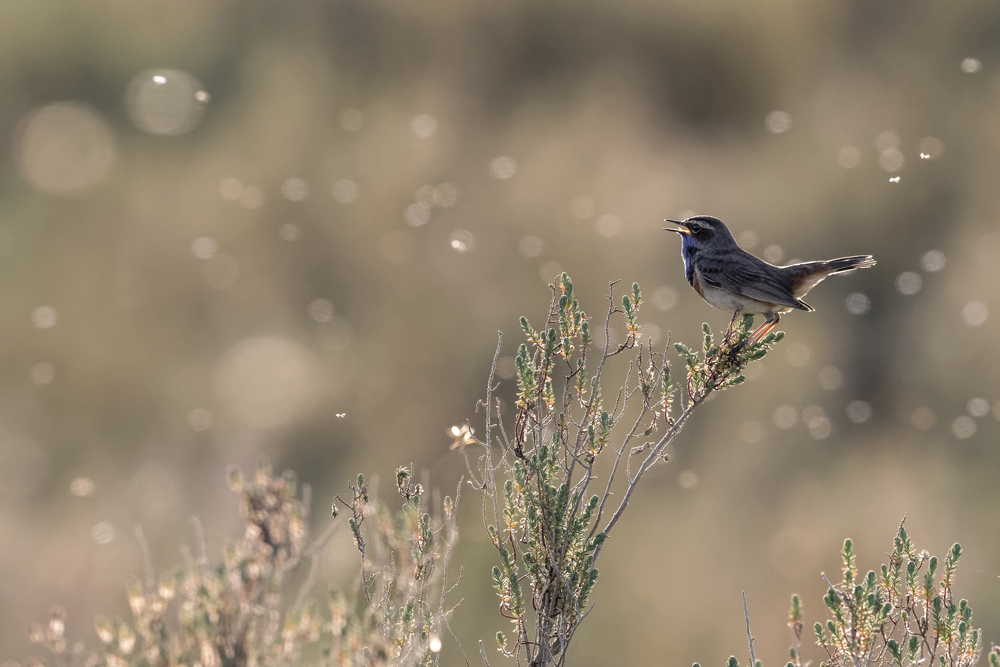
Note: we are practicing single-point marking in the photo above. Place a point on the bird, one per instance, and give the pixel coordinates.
(730, 278)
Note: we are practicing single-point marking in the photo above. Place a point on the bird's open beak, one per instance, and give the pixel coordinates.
(680, 230)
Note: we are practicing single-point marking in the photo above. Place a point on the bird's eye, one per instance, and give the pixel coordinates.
(696, 228)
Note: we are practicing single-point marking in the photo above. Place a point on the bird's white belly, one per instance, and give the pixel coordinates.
(726, 300)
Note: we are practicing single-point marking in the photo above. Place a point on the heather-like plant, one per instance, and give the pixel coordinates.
(904, 615)
(546, 494)
(401, 616)
(239, 613)
(229, 614)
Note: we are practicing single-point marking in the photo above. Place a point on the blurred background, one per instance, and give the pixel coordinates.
(240, 229)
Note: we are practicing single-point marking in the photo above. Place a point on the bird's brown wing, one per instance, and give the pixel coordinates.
(746, 275)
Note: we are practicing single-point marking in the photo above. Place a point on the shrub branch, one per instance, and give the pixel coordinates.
(546, 524)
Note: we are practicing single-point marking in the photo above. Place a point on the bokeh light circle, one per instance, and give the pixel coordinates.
(887, 141)
(462, 240)
(268, 381)
(165, 101)
(665, 297)
(44, 317)
(785, 416)
(345, 191)
(975, 313)
(849, 157)
(909, 283)
(200, 419)
(445, 195)
(320, 310)
(932, 260)
(971, 65)
(251, 197)
(424, 126)
(295, 189)
(204, 247)
(978, 407)
(816, 422)
(687, 479)
(82, 487)
(608, 225)
(64, 148)
(417, 214)
(930, 147)
(778, 122)
(530, 246)
(43, 373)
(103, 533)
(798, 354)
(858, 303)
(747, 239)
(830, 378)
(503, 167)
(859, 411)
(892, 159)
(963, 427)
(289, 232)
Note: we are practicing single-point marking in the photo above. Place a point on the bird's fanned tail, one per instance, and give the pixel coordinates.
(849, 263)
(805, 276)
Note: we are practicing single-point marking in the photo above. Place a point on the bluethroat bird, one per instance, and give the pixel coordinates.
(730, 278)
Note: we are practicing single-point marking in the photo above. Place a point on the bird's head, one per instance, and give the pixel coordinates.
(703, 231)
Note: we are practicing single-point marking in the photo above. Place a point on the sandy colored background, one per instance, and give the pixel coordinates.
(293, 229)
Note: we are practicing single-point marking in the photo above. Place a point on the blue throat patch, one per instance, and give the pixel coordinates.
(688, 250)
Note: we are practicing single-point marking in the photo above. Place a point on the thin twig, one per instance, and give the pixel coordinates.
(647, 462)
(452, 633)
(313, 553)
(147, 561)
(489, 460)
(746, 616)
(199, 535)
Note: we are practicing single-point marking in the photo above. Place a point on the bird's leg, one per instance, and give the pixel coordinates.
(763, 330)
(759, 332)
(732, 322)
